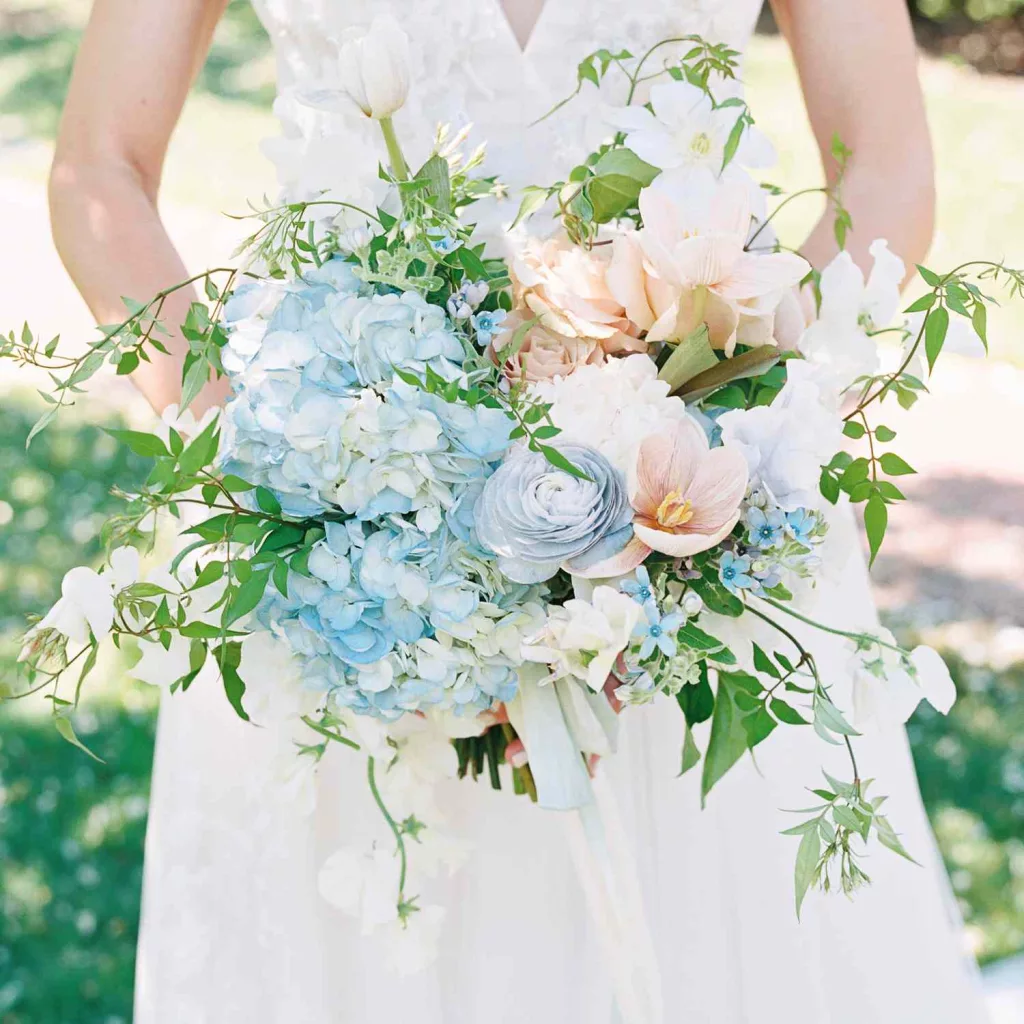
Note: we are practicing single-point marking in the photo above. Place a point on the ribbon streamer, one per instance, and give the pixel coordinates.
(559, 723)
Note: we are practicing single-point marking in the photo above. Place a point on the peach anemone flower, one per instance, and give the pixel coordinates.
(687, 265)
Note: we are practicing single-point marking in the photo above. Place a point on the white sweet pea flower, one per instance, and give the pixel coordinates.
(162, 668)
(414, 947)
(888, 685)
(185, 423)
(362, 884)
(933, 676)
(786, 443)
(86, 606)
(374, 69)
(838, 343)
(86, 603)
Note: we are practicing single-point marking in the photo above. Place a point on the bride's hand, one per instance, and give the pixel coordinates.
(515, 752)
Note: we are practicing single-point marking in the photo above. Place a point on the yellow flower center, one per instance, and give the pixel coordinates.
(673, 511)
(701, 144)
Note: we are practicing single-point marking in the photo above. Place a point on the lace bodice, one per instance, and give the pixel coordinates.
(468, 69)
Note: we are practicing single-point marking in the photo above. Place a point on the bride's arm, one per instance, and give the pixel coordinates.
(137, 60)
(858, 69)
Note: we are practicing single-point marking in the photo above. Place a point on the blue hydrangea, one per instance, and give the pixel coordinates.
(402, 608)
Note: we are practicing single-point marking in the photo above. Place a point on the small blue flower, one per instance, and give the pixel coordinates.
(445, 244)
(734, 572)
(639, 588)
(766, 528)
(800, 525)
(658, 632)
(487, 324)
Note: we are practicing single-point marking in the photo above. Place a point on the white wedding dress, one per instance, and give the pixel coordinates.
(234, 930)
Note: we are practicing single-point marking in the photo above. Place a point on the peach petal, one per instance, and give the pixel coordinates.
(756, 275)
(683, 545)
(717, 488)
(628, 559)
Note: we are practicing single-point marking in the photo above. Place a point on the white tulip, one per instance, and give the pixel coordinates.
(375, 69)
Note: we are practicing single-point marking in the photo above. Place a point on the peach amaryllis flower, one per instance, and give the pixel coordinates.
(685, 494)
(688, 266)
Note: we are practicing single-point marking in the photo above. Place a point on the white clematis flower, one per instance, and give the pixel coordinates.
(687, 131)
(374, 69)
(838, 343)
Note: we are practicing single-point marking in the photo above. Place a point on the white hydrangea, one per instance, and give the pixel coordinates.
(612, 407)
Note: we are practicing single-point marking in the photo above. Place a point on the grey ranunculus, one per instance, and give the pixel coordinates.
(537, 518)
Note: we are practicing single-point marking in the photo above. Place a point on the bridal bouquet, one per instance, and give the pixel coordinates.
(460, 508)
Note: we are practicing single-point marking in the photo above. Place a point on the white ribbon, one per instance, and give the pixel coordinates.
(559, 723)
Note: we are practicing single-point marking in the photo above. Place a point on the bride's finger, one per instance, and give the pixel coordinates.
(515, 754)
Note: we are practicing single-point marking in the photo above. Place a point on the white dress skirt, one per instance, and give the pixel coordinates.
(234, 930)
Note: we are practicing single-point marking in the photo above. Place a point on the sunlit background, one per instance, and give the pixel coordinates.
(71, 830)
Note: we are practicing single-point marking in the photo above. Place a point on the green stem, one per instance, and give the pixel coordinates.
(396, 829)
(399, 168)
(822, 627)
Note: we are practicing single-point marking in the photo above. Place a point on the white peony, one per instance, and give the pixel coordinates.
(612, 407)
(786, 443)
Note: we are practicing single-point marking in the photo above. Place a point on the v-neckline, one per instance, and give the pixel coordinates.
(522, 48)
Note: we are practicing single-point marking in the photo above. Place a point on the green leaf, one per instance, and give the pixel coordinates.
(229, 657)
(147, 445)
(935, 329)
(893, 465)
(67, 731)
(884, 434)
(750, 364)
(889, 839)
(921, 304)
(439, 186)
(236, 484)
(930, 277)
(559, 461)
(876, 519)
(716, 596)
(280, 577)
(691, 752)
(267, 501)
(732, 144)
(784, 713)
(829, 486)
(696, 700)
(979, 320)
(611, 195)
(764, 664)
(625, 163)
(728, 740)
(854, 429)
(128, 363)
(471, 262)
(247, 596)
(533, 199)
(695, 638)
(758, 726)
(806, 865)
(201, 451)
(206, 631)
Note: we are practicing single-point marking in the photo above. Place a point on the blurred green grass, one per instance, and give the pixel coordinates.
(71, 830)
